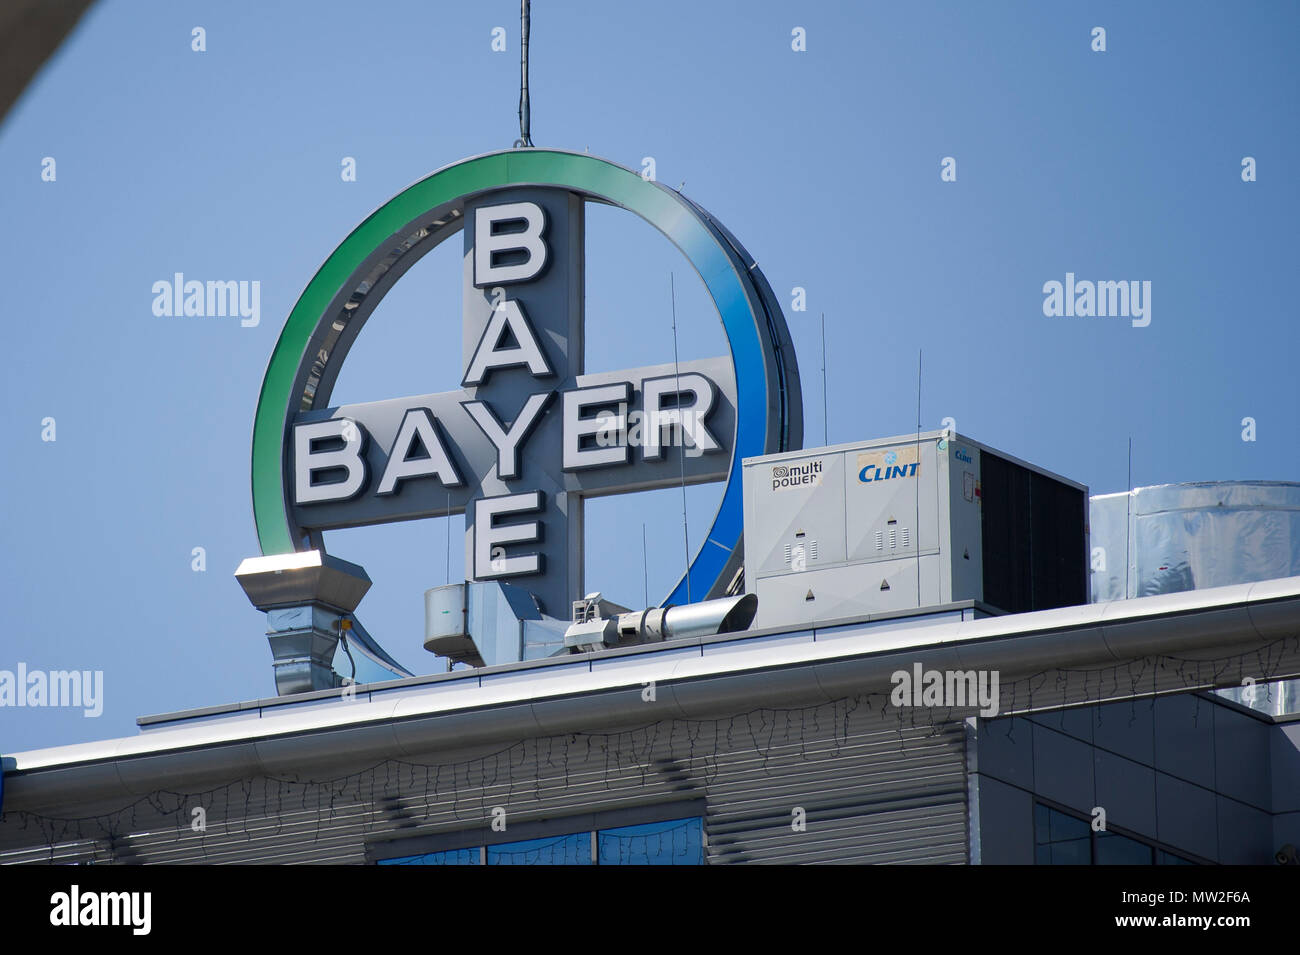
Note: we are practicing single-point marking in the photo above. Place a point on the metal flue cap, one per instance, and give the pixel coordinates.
(298, 579)
(708, 617)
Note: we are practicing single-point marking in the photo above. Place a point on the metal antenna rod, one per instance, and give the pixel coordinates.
(525, 120)
(917, 485)
(1128, 521)
(681, 432)
(826, 427)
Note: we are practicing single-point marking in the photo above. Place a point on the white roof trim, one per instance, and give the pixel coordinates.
(670, 663)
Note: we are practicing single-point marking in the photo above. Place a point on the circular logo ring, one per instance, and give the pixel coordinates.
(353, 280)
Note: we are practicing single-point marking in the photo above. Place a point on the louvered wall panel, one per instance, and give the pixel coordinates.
(875, 794)
(874, 789)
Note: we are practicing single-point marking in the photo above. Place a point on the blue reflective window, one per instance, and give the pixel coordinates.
(450, 857)
(1064, 839)
(1114, 849)
(674, 842)
(1061, 839)
(1069, 852)
(678, 842)
(553, 850)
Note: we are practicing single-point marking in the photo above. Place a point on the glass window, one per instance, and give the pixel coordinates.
(673, 842)
(1061, 839)
(554, 850)
(1069, 852)
(1113, 849)
(678, 842)
(450, 857)
(1064, 839)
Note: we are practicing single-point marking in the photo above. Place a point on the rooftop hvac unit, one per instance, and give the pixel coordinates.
(904, 523)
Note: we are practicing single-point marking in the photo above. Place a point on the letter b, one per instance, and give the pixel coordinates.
(488, 244)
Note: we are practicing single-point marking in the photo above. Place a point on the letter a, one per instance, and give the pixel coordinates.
(403, 463)
(1052, 306)
(490, 354)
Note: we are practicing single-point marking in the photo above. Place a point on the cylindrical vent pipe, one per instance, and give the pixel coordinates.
(709, 617)
(724, 615)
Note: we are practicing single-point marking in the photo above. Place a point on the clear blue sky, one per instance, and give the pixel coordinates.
(826, 164)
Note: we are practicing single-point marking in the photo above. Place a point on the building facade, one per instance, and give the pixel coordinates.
(769, 746)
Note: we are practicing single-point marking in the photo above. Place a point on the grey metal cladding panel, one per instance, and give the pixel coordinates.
(1126, 728)
(875, 789)
(965, 551)
(1245, 834)
(870, 506)
(1006, 815)
(1185, 737)
(1073, 721)
(881, 752)
(1005, 749)
(1063, 768)
(937, 836)
(847, 590)
(778, 507)
(1286, 828)
(1284, 758)
(884, 800)
(269, 841)
(1186, 816)
(1127, 790)
(1241, 758)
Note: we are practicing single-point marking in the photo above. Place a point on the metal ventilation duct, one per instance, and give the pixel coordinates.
(1176, 537)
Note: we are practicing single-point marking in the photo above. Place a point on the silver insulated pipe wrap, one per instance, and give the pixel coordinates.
(703, 619)
(709, 617)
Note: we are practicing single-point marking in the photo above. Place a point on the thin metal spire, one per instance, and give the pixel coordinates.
(681, 432)
(1128, 522)
(917, 484)
(525, 120)
(826, 420)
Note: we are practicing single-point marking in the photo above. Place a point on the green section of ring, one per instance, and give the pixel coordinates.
(278, 401)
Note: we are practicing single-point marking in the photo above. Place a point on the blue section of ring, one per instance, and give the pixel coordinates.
(732, 290)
